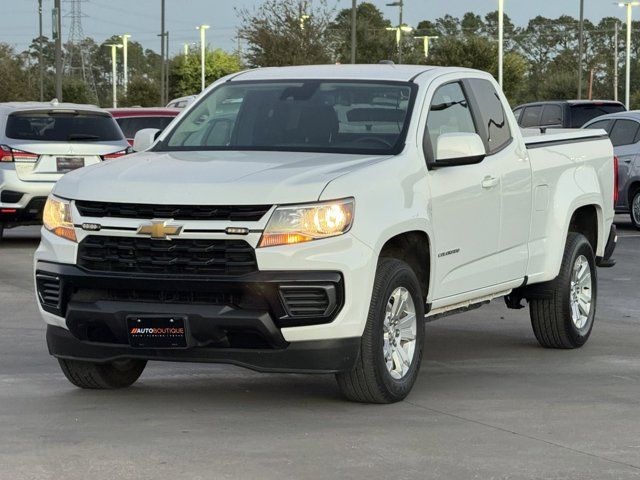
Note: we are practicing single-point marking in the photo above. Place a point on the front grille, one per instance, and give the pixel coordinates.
(240, 213)
(171, 297)
(173, 257)
(308, 301)
(48, 290)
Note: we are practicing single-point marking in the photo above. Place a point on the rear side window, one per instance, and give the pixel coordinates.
(131, 125)
(624, 132)
(449, 113)
(551, 115)
(603, 124)
(62, 126)
(531, 116)
(581, 114)
(492, 121)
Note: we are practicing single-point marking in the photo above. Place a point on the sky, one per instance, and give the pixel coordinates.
(141, 18)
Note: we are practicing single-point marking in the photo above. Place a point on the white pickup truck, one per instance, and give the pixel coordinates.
(308, 219)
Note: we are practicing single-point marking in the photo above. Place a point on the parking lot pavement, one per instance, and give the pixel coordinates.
(489, 403)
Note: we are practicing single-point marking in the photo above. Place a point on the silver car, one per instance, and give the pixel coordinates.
(40, 142)
(624, 130)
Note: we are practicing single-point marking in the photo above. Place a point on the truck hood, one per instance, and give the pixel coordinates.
(210, 177)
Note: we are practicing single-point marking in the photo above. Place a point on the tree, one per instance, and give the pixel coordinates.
(14, 78)
(184, 77)
(374, 42)
(287, 32)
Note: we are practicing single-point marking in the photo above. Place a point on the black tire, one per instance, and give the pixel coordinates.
(551, 316)
(102, 376)
(370, 381)
(635, 217)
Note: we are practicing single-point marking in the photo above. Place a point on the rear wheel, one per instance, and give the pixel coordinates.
(563, 317)
(101, 376)
(634, 208)
(392, 343)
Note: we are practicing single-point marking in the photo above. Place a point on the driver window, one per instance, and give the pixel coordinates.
(449, 113)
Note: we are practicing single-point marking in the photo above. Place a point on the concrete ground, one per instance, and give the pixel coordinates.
(489, 404)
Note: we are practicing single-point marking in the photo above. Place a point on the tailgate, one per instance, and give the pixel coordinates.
(49, 168)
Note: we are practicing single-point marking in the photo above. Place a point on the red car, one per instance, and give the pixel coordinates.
(133, 119)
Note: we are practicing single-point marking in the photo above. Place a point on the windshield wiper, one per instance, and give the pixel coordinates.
(443, 106)
(82, 136)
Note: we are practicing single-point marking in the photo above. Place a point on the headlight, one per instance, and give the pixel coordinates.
(302, 223)
(57, 218)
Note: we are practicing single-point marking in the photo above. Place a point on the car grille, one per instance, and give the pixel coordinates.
(179, 257)
(240, 213)
(312, 301)
(48, 290)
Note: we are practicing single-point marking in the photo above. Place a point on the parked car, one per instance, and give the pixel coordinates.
(132, 120)
(181, 102)
(624, 131)
(563, 114)
(315, 228)
(40, 142)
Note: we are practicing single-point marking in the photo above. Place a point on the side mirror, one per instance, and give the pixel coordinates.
(459, 148)
(144, 139)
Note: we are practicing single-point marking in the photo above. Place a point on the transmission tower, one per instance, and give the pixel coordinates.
(78, 62)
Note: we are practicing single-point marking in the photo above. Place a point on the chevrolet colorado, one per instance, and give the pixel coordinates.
(309, 219)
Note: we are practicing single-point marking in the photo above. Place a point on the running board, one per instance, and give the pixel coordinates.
(465, 306)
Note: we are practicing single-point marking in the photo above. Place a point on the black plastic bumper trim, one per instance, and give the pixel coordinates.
(318, 356)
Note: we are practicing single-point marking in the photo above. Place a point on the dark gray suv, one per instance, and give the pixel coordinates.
(624, 130)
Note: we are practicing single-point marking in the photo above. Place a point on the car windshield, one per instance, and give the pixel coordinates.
(309, 115)
(62, 126)
(131, 125)
(581, 114)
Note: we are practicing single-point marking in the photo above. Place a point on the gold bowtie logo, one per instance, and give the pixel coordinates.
(159, 229)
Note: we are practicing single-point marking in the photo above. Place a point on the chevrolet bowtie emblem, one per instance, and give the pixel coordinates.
(159, 229)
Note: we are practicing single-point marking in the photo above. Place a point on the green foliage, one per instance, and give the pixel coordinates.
(185, 71)
(278, 35)
(142, 91)
(15, 83)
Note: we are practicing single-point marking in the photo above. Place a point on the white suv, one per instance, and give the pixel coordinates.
(40, 142)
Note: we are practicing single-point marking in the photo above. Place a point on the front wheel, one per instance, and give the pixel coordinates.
(102, 376)
(563, 317)
(392, 343)
(635, 209)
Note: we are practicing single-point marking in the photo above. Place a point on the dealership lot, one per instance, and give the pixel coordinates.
(489, 403)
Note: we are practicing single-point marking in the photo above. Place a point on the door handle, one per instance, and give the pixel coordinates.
(490, 182)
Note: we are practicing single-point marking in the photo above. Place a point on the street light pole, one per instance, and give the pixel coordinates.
(203, 47)
(615, 63)
(114, 46)
(125, 75)
(580, 48)
(425, 45)
(163, 101)
(40, 66)
(500, 41)
(400, 5)
(354, 14)
(627, 88)
(57, 18)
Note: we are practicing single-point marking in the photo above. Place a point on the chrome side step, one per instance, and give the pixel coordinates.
(465, 306)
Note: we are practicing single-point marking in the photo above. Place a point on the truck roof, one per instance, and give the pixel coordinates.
(384, 72)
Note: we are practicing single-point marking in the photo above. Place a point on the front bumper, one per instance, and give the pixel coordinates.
(316, 356)
(235, 320)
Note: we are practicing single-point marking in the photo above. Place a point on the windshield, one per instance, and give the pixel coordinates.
(62, 126)
(313, 115)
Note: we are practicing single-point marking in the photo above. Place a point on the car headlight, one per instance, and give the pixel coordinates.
(57, 218)
(302, 223)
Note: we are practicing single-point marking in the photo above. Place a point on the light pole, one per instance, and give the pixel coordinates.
(400, 5)
(203, 47)
(580, 48)
(399, 31)
(426, 39)
(500, 41)
(303, 18)
(125, 75)
(627, 88)
(57, 34)
(114, 46)
(354, 11)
